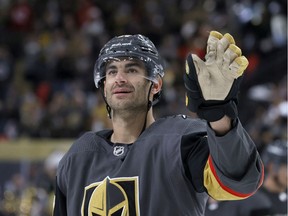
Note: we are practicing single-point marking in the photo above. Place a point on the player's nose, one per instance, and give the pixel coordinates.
(120, 77)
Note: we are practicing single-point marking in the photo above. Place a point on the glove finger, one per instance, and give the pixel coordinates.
(222, 46)
(212, 42)
(238, 66)
(231, 54)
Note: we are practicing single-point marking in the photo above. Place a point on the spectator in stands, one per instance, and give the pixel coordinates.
(275, 183)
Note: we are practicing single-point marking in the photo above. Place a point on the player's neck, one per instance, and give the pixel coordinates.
(128, 129)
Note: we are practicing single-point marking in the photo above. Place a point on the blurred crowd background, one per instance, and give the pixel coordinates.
(48, 49)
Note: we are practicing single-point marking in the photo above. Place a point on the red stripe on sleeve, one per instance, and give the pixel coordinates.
(229, 190)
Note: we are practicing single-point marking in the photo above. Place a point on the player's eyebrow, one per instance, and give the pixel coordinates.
(135, 63)
(110, 66)
(129, 64)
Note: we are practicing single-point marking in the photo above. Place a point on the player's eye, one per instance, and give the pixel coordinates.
(132, 70)
(111, 72)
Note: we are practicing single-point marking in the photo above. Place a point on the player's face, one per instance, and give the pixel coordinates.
(125, 86)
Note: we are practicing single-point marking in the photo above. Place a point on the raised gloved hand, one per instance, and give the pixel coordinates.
(212, 85)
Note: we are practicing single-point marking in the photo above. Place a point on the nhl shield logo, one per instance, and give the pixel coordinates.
(118, 150)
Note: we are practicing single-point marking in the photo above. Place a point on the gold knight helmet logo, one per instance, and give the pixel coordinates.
(112, 197)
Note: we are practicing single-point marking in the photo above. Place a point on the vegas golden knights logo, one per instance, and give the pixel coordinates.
(112, 197)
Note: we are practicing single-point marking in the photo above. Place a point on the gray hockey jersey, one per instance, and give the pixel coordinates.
(170, 170)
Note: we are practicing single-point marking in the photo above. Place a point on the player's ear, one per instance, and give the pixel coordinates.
(157, 86)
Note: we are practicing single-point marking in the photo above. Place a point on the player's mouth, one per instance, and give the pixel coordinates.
(121, 91)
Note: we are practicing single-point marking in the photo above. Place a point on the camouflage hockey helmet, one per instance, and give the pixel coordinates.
(133, 47)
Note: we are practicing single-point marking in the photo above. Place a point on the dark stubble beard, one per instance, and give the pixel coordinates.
(136, 105)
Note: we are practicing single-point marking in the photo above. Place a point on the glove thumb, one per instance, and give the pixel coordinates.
(199, 64)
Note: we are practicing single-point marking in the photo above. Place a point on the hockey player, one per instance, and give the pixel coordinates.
(169, 166)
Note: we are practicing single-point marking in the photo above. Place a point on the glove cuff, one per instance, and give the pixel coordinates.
(216, 112)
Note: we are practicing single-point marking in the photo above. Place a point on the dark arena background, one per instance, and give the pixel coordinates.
(47, 94)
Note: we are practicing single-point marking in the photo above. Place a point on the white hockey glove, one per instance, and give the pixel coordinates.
(212, 86)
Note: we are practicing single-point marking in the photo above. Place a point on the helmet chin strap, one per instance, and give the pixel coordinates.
(108, 108)
(149, 105)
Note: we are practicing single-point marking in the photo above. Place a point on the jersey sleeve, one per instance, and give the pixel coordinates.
(194, 153)
(60, 204)
(59, 208)
(227, 167)
(234, 169)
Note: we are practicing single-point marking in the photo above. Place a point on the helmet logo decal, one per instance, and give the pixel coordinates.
(120, 44)
(111, 197)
